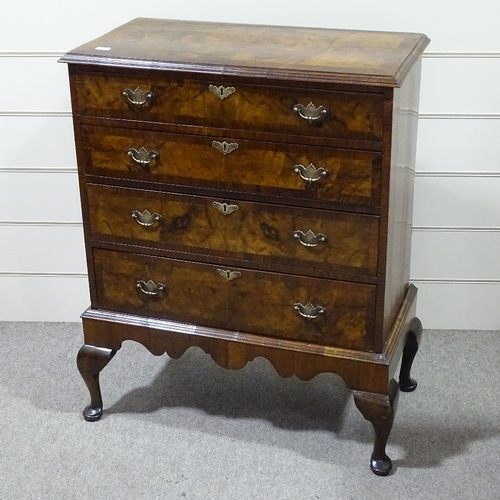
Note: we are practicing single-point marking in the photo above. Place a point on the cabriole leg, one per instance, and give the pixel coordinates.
(91, 360)
(379, 409)
(406, 383)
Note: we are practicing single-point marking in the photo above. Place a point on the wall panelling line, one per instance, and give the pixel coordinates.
(461, 55)
(459, 116)
(457, 173)
(10, 223)
(37, 170)
(44, 113)
(452, 281)
(41, 275)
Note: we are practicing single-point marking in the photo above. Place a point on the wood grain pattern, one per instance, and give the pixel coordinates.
(256, 302)
(329, 55)
(255, 167)
(351, 115)
(254, 232)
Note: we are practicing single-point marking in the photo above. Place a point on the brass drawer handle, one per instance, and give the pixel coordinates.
(225, 147)
(311, 113)
(309, 311)
(138, 97)
(145, 218)
(309, 239)
(228, 275)
(225, 208)
(150, 288)
(310, 173)
(222, 92)
(142, 156)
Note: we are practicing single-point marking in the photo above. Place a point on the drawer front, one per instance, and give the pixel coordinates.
(344, 115)
(299, 171)
(313, 310)
(253, 232)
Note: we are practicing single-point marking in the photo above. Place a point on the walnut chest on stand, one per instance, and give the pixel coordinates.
(248, 190)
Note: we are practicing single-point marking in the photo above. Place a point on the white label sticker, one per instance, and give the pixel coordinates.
(103, 48)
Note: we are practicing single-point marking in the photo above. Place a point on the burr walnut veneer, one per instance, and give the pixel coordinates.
(248, 190)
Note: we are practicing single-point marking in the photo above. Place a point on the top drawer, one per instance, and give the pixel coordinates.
(319, 113)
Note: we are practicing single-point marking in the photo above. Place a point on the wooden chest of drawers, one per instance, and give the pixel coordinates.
(248, 190)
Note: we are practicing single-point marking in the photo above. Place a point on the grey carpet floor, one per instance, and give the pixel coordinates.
(188, 429)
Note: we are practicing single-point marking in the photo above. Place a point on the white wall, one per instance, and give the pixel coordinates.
(457, 216)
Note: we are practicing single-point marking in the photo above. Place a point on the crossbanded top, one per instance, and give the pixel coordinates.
(316, 54)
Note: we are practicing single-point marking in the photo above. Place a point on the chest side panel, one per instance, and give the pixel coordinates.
(400, 214)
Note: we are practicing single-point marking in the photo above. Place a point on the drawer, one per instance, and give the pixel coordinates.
(313, 310)
(254, 232)
(299, 171)
(342, 115)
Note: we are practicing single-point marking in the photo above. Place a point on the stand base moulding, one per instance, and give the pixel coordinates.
(249, 190)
